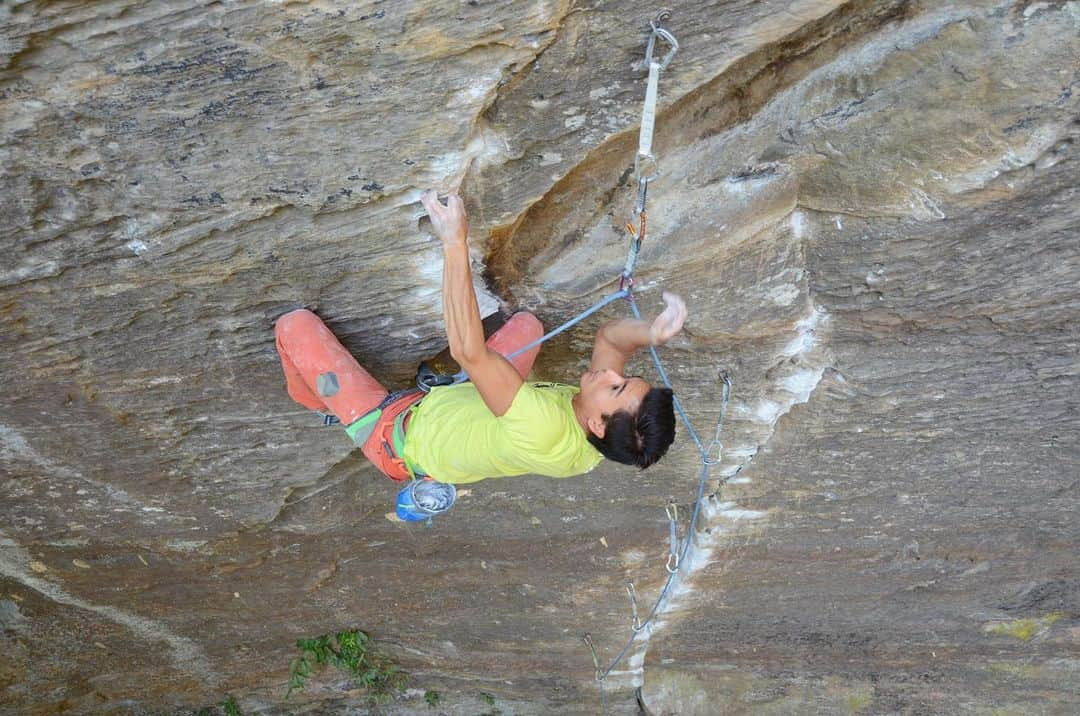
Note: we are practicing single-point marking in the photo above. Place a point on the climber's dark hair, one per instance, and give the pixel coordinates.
(640, 439)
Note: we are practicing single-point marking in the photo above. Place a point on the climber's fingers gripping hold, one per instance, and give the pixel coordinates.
(450, 223)
(670, 321)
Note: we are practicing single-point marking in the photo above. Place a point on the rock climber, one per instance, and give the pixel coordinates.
(497, 424)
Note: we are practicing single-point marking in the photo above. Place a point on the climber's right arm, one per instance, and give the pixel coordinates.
(494, 377)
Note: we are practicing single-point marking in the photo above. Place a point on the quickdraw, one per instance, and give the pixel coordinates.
(645, 159)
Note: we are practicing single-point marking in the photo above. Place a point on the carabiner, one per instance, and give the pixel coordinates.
(643, 186)
(672, 568)
(673, 44)
(632, 593)
(672, 510)
(595, 657)
(645, 166)
(673, 534)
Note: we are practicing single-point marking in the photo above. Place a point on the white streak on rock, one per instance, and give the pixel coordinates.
(802, 383)
(784, 295)
(798, 224)
(731, 511)
(185, 653)
(549, 158)
(767, 411)
(30, 273)
(575, 122)
(741, 451)
(719, 519)
(805, 337)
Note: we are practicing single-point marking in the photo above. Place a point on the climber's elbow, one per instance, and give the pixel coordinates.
(464, 355)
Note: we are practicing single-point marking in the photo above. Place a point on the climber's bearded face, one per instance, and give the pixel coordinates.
(606, 392)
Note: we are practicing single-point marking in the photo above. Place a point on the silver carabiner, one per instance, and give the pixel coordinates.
(632, 593)
(672, 563)
(716, 445)
(642, 192)
(672, 510)
(646, 169)
(673, 529)
(595, 657)
(645, 166)
(673, 44)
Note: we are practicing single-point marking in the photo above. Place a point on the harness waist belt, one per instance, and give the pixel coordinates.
(362, 428)
(389, 435)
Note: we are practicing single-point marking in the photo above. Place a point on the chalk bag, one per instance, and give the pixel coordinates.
(421, 499)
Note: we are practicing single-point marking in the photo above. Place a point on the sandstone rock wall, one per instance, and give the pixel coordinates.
(871, 207)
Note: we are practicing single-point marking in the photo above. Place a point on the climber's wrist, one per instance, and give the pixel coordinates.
(455, 240)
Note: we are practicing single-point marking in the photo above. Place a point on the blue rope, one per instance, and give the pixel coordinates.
(462, 376)
(707, 462)
(667, 383)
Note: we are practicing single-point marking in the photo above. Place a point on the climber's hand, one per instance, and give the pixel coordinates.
(670, 321)
(450, 222)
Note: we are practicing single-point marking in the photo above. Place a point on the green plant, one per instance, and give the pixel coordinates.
(228, 707)
(353, 652)
(487, 698)
(431, 698)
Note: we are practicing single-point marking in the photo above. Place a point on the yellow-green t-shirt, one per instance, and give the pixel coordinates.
(454, 437)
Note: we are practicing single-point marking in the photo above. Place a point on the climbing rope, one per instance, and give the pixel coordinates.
(676, 557)
(462, 376)
(646, 170)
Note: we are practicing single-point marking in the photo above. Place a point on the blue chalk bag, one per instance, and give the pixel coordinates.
(423, 499)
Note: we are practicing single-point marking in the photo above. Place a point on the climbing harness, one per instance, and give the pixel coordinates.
(364, 427)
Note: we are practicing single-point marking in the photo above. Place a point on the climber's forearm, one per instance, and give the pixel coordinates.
(626, 335)
(461, 313)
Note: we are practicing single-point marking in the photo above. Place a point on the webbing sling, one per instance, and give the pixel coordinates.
(362, 428)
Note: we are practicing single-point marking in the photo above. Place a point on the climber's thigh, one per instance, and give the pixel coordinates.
(328, 369)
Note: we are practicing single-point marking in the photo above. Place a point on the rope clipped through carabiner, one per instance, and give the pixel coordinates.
(645, 165)
(645, 162)
(626, 278)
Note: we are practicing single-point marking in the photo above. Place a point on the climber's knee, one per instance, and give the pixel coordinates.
(296, 320)
(526, 325)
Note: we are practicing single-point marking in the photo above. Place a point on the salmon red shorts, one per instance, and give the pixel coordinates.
(322, 375)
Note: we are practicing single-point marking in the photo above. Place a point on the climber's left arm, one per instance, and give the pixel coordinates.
(494, 377)
(617, 340)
